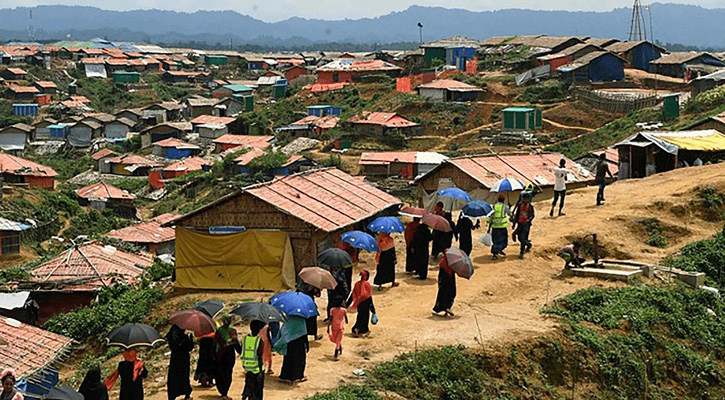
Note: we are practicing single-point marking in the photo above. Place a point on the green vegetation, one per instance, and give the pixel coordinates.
(706, 101)
(611, 133)
(711, 203)
(131, 185)
(6, 114)
(470, 79)
(93, 223)
(654, 229)
(106, 96)
(268, 162)
(116, 305)
(159, 270)
(348, 392)
(706, 256)
(547, 92)
(263, 120)
(495, 62)
(66, 164)
(168, 92)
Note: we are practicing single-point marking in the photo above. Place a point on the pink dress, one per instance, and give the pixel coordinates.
(337, 325)
(266, 347)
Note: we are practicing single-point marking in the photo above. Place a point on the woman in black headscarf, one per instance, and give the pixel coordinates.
(179, 366)
(92, 387)
(206, 364)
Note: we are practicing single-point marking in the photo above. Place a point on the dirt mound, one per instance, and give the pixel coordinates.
(580, 114)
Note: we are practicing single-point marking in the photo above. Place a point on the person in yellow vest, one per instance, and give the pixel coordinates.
(252, 363)
(498, 227)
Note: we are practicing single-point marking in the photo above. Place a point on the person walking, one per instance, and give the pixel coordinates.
(409, 234)
(420, 250)
(337, 296)
(177, 383)
(446, 288)
(362, 301)
(439, 237)
(497, 226)
(463, 232)
(266, 337)
(9, 392)
(602, 168)
(336, 328)
(206, 364)
(252, 362)
(313, 292)
(523, 215)
(132, 373)
(559, 187)
(386, 258)
(292, 343)
(227, 343)
(92, 387)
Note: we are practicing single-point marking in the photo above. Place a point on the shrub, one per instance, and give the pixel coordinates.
(712, 203)
(131, 185)
(159, 270)
(706, 256)
(395, 139)
(348, 392)
(545, 92)
(116, 305)
(93, 223)
(268, 162)
(654, 229)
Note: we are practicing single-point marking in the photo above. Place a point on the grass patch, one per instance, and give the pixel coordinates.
(653, 227)
(131, 185)
(348, 392)
(67, 165)
(546, 92)
(706, 256)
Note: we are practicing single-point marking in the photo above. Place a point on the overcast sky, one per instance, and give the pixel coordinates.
(275, 10)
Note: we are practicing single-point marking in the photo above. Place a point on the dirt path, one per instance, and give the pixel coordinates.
(504, 296)
(562, 126)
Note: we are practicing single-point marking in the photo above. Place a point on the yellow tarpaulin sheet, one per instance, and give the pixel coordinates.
(250, 260)
(712, 142)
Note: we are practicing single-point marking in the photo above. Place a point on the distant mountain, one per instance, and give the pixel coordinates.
(673, 23)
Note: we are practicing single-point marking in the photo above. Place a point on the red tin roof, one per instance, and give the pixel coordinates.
(387, 157)
(103, 153)
(102, 190)
(257, 142)
(147, 232)
(389, 120)
(20, 166)
(28, 349)
(187, 164)
(210, 119)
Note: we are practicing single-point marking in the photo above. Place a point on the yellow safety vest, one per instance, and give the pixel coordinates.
(250, 360)
(498, 219)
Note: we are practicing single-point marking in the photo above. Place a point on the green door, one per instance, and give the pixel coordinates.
(508, 120)
(520, 122)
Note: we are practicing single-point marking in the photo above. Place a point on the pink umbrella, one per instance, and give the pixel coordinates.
(459, 262)
(193, 320)
(436, 222)
(414, 212)
(318, 277)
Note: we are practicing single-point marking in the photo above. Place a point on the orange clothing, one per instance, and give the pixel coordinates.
(385, 242)
(266, 347)
(337, 325)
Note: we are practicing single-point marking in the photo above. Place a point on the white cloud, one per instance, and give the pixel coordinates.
(275, 10)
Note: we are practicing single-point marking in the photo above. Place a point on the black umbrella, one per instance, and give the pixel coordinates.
(134, 335)
(210, 307)
(258, 311)
(334, 258)
(63, 393)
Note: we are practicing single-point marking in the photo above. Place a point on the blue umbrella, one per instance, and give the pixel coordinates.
(295, 303)
(477, 209)
(387, 225)
(507, 185)
(455, 193)
(360, 240)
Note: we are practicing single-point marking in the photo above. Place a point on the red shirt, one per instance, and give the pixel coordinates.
(524, 213)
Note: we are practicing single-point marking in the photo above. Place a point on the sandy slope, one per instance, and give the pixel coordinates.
(504, 296)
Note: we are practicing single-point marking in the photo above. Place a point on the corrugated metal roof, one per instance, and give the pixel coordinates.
(680, 58)
(176, 143)
(247, 157)
(133, 159)
(89, 267)
(8, 225)
(387, 157)
(326, 122)
(28, 349)
(528, 168)
(389, 120)
(450, 84)
(454, 41)
(357, 65)
(102, 190)
(211, 119)
(429, 157)
(147, 232)
(328, 199)
(103, 153)
(20, 166)
(17, 71)
(24, 89)
(257, 142)
(46, 84)
(188, 164)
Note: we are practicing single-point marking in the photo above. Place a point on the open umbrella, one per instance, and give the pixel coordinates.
(134, 335)
(414, 212)
(507, 185)
(334, 258)
(436, 222)
(194, 320)
(387, 225)
(295, 303)
(454, 193)
(459, 262)
(360, 240)
(317, 277)
(212, 308)
(62, 392)
(258, 311)
(477, 209)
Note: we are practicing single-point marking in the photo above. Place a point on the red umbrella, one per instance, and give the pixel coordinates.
(459, 262)
(318, 277)
(193, 320)
(436, 222)
(414, 212)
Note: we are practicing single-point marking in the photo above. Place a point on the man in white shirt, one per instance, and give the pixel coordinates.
(559, 187)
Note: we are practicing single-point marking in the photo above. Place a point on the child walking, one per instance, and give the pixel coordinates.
(336, 328)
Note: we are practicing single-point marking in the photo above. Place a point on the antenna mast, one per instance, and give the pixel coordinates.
(31, 30)
(637, 26)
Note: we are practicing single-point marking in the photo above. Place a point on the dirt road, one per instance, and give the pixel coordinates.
(502, 300)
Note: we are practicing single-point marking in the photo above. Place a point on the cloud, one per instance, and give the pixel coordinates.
(276, 10)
